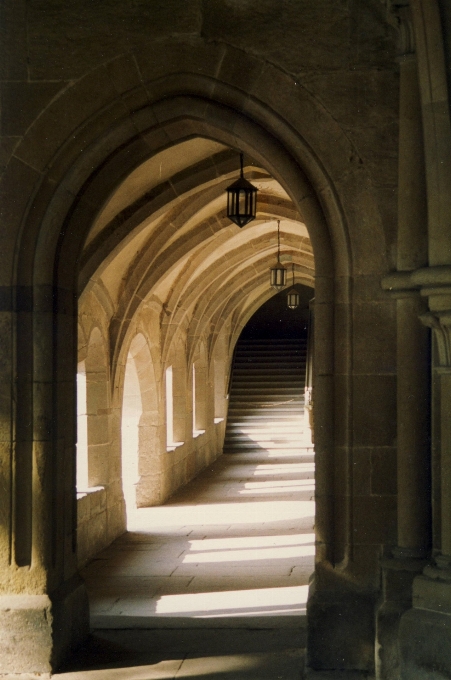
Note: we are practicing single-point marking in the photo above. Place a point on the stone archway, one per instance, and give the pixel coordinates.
(141, 404)
(289, 137)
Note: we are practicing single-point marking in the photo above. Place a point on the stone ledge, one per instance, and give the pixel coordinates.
(431, 280)
(89, 490)
(36, 631)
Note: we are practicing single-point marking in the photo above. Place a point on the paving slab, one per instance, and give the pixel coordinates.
(211, 585)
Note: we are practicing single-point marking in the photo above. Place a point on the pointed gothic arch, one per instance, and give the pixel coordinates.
(290, 138)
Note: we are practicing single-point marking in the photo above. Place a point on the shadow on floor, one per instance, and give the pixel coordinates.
(223, 654)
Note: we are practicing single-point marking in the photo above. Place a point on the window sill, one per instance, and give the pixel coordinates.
(91, 489)
(174, 445)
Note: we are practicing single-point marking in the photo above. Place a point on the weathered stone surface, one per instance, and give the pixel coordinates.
(42, 629)
(424, 641)
(22, 103)
(13, 40)
(341, 631)
(374, 410)
(375, 349)
(310, 92)
(26, 630)
(13, 201)
(292, 41)
(374, 520)
(51, 28)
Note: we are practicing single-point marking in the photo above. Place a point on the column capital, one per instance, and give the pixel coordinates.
(398, 15)
(440, 322)
(441, 571)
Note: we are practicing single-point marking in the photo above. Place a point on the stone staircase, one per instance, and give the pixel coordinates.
(266, 401)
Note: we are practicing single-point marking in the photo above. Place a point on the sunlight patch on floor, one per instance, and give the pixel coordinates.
(237, 602)
(276, 489)
(250, 555)
(219, 513)
(251, 542)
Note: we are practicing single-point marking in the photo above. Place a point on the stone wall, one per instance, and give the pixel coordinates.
(121, 127)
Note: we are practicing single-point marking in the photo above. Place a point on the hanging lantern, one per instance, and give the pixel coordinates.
(292, 295)
(241, 200)
(278, 274)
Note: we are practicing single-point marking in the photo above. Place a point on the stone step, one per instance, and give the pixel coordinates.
(273, 370)
(257, 431)
(270, 415)
(290, 379)
(285, 443)
(254, 446)
(276, 395)
(266, 402)
(253, 406)
(283, 352)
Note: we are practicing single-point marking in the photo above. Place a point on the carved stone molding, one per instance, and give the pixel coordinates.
(398, 15)
(440, 322)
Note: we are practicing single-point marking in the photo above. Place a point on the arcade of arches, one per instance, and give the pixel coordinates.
(124, 286)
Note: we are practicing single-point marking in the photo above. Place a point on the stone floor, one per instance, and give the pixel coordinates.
(211, 585)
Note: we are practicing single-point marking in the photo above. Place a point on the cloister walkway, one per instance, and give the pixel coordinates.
(211, 585)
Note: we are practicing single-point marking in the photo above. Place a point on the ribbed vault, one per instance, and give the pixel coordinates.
(163, 238)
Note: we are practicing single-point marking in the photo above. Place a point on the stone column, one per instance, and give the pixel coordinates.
(43, 602)
(412, 337)
(413, 431)
(440, 322)
(425, 629)
(413, 455)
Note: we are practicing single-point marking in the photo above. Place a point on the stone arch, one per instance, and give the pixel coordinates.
(176, 360)
(142, 414)
(82, 212)
(95, 455)
(200, 387)
(288, 134)
(98, 407)
(219, 370)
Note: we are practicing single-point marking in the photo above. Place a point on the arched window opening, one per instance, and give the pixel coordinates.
(82, 429)
(175, 407)
(219, 389)
(176, 397)
(199, 399)
(169, 409)
(95, 473)
(132, 410)
(98, 411)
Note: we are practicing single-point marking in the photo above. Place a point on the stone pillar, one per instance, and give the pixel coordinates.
(413, 455)
(440, 322)
(43, 601)
(425, 629)
(413, 432)
(413, 483)
(412, 337)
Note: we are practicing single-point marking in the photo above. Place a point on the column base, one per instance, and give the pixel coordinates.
(38, 631)
(425, 630)
(397, 580)
(340, 630)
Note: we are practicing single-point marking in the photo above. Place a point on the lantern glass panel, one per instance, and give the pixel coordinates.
(241, 202)
(278, 277)
(293, 299)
